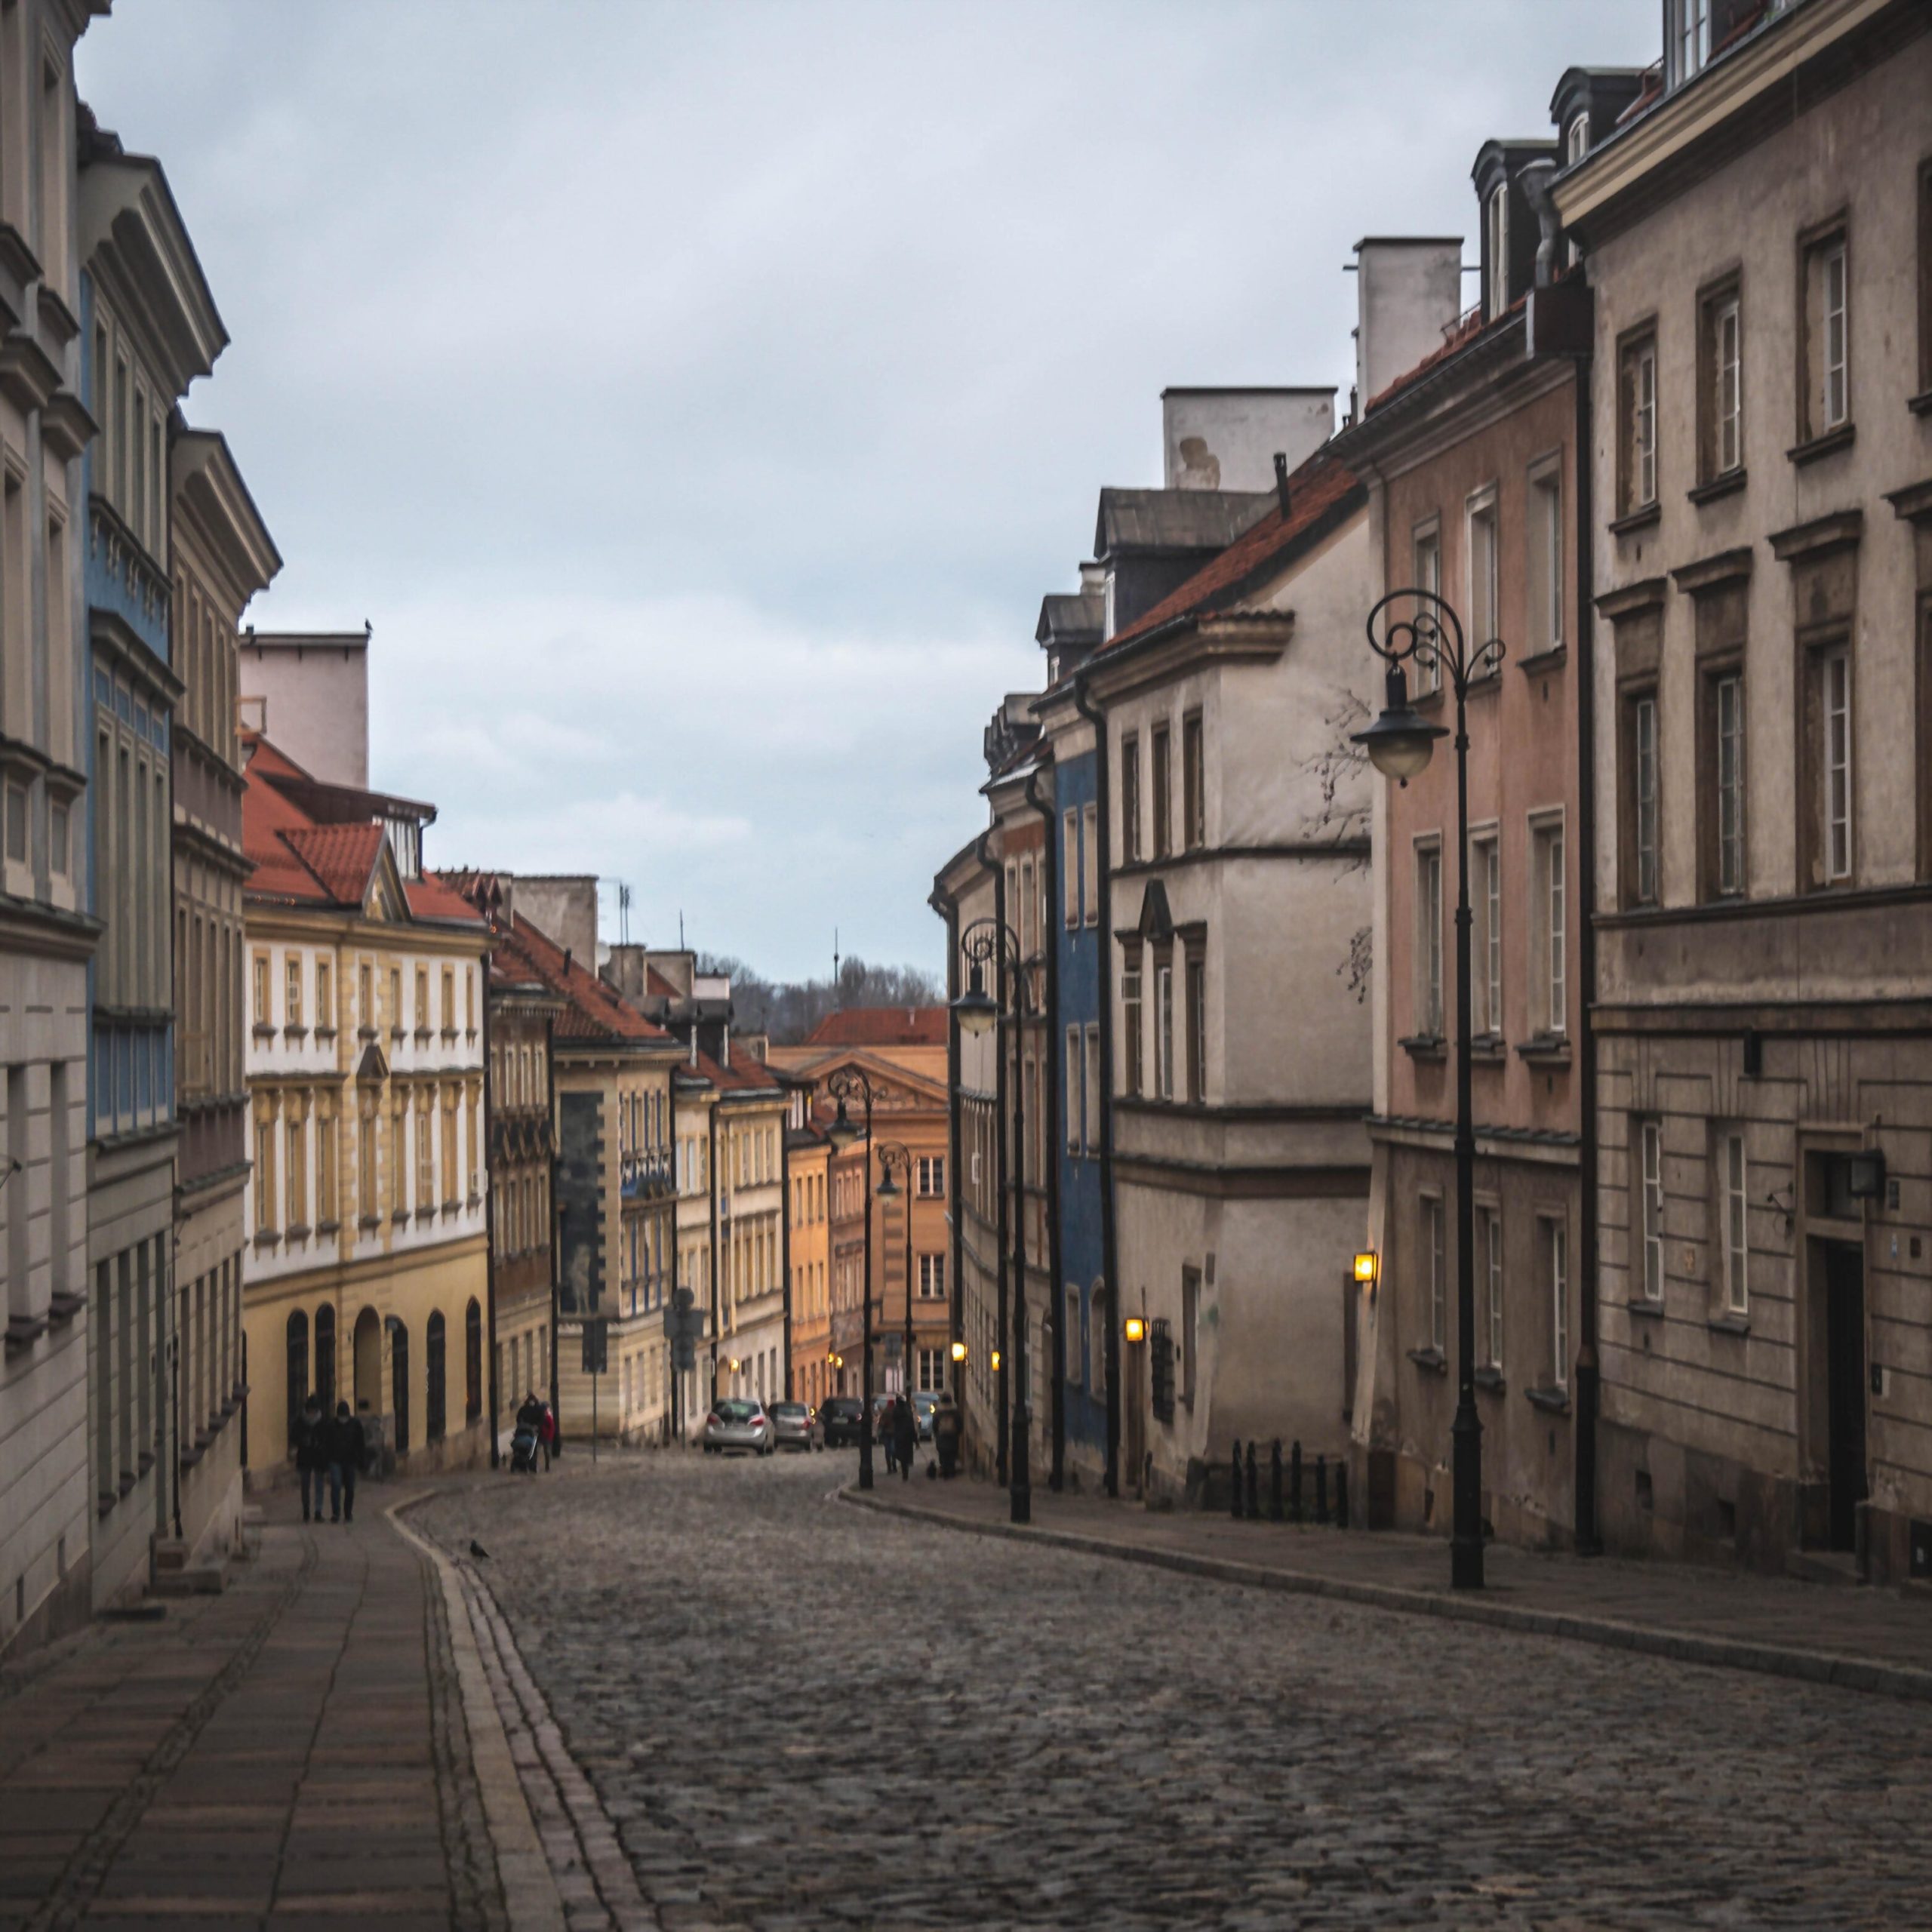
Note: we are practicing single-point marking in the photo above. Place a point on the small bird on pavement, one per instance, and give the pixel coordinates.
(477, 1549)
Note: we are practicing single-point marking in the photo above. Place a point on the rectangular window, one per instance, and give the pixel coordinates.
(1129, 800)
(1076, 1095)
(1727, 702)
(932, 1277)
(1495, 251)
(1825, 402)
(449, 999)
(426, 1158)
(1189, 1338)
(1636, 408)
(1545, 559)
(365, 1160)
(1069, 867)
(1196, 1027)
(1691, 39)
(1641, 820)
(292, 993)
(1426, 574)
(1491, 1222)
(1435, 1283)
(1075, 1350)
(17, 824)
(1835, 764)
(1162, 797)
(1093, 1086)
(365, 1000)
(1549, 966)
(1089, 862)
(325, 997)
(1163, 1029)
(1193, 784)
(932, 1177)
(264, 1175)
(1130, 1028)
(1736, 1237)
(1651, 1157)
(1484, 578)
(325, 1201)
(1720, 385)
(1429, 941)
(1486, 982)
(298, 1177)
(422, 999)
(1556, 1249)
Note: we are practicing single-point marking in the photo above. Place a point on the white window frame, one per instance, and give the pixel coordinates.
(1436, 1261)
(1549, 888)
(1482, 538)
(1071, 875)
(1496, 230)
(1734, 1182)
(1076, 1091)
(1835, 340)
(1491, 1218)
(1426, 574)
(1727, 709)
(1649, 1177)
(1486, 980)
(1163, 1029)
(1644, 825)
(1545, 537)
(1691, 37)
(1726, 385)
(1835, 772)
(1556, 1247)
(1090, 863)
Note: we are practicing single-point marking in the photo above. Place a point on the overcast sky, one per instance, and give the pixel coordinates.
(698, 400)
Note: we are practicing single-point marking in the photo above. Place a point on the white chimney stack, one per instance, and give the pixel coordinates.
(1409, 293)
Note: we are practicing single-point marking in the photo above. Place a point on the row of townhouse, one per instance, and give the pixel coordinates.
(1671, 472)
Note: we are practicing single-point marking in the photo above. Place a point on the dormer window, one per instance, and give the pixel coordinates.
(1690, 38)
(1496, 229)
(1576, 140)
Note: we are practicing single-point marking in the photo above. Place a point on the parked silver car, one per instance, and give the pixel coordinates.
(796, 1426)
(737, 1424)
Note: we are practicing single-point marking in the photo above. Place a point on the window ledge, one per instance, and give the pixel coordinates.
(1728, 1324)
(62, 1308)
(1552, 1402)
(23, 1330)
(422, 1036)
(325, 1032)
(1652, 1311)
(1728, 484)
(1638, 519)
(263, 1031)
(401, 1215)
(426, 1214)
(297, 1031)
(1921, 404)
(1490, 1381)
(1538, 662)
(267, 1238)
(1433, 1360)
(1429, 700)
(1424, 1046)
(365, 1032)
(327, 1227)
(449, 1032)
(1829, 444)
(1545, 1050)
(452, 1206)
(1488, 1046)
(298, 1231)
(370, 1221)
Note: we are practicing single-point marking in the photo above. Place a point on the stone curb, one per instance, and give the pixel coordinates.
(1846, 1673)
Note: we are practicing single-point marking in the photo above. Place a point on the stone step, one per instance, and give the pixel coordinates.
(1823, 1566)
(200, 1579)
(170, 1553)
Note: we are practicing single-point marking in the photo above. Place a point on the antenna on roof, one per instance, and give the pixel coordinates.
(834, 962)
(681, 929)
(623, 913)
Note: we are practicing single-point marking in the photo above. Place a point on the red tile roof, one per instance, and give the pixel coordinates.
(1319, 487)
(342, 857)
(745, 1075)
(592, 1010)
(880, 1026)
(658, 987)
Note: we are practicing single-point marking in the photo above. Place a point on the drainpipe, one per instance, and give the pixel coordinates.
(1000, 1154)
(785, 1234)
(556, 1226)
(1050, 1143)
(717, 1253)
(1589, 1536)
(489, 1224)
(668, 1297)
(1104, 936)
(947, 908)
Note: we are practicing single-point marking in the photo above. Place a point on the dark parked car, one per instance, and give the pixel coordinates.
(844, 1417)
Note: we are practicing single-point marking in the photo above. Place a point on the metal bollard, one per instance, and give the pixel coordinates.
(1322, 1489)
(1254, 1494)
(1294, 1481)
(1274, 1481)
(1341, 1496)
(1234, 1480)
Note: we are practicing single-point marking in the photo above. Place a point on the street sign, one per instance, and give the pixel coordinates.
(596, 1346)
(684, 1354)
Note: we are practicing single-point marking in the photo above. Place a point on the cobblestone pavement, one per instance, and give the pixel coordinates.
(799, 1714)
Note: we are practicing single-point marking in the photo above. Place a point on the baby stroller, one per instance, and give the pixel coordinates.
(523, 1449)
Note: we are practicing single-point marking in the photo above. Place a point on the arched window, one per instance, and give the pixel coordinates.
(298, 1367)
(472, 1360)
(433, 1365)
(399, 1385)
(325, 1357)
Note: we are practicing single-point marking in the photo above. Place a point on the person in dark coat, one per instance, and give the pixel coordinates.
(905, 1437)
(945, 1434)
(886, 1436)
(348, 1448)
(311, 1455)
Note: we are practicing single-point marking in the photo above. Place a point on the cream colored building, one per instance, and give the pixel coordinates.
(366, 1277)
(47, 1490)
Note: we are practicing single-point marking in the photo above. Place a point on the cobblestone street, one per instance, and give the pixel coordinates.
(798, 1714)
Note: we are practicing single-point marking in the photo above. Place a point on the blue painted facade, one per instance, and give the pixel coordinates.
(131, 1088)
(1077, 966)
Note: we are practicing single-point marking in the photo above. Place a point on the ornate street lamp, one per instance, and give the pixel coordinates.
(993, 940)
(1418, 627)
(849, 1083)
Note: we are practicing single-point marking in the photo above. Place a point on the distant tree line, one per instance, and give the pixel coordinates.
(789, 1011)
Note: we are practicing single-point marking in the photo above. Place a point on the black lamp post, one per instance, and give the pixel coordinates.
(850, 1083)
(984, 940)
(1418, 626)
(895, 1157)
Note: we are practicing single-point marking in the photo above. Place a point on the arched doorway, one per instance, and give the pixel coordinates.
(297, 1353)
(399, 1386)
(435, 1414)
(369, 1362)
(472, 1360)
(325, 1357)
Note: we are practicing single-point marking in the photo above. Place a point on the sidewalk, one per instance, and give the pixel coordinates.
(1869, 1640)
(291, 1752)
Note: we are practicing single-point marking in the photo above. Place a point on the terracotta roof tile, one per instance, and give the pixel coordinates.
(593, 1010)
(341, 857)
(880, 1026)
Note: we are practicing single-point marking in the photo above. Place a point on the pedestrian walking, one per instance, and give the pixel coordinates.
(311, 1454)
(945, 1432)
(546, 1430)
(348, 1448)
(886, 1438)
(905, 1436)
